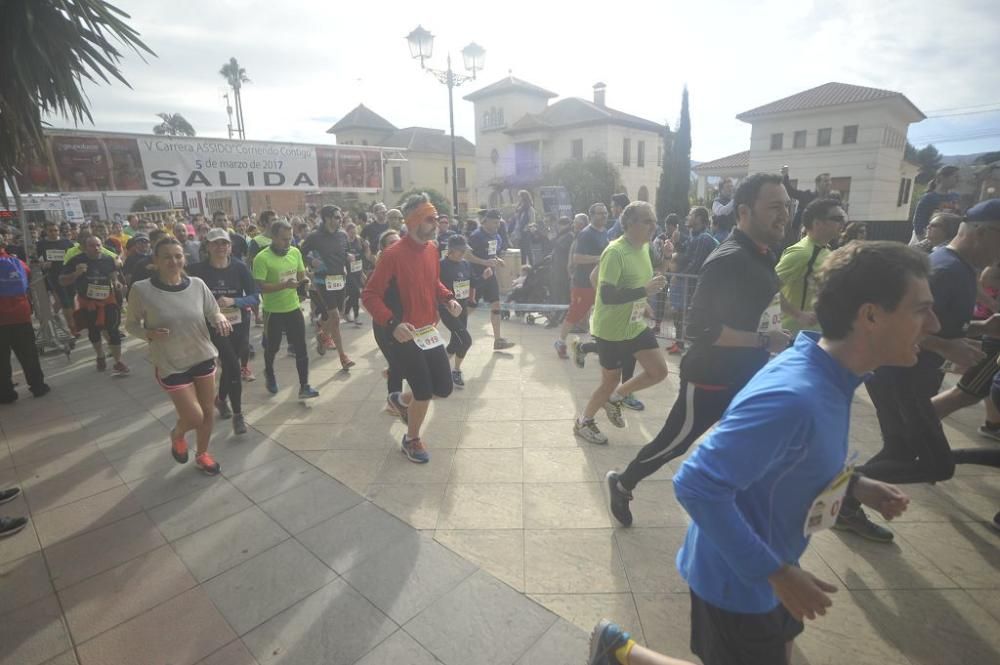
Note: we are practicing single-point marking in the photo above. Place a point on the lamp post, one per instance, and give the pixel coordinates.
(421, 43)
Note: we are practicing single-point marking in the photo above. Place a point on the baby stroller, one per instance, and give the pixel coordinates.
(533, 291)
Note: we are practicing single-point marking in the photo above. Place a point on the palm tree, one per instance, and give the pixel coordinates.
(236, 76)
(47, 48)
(174, 124)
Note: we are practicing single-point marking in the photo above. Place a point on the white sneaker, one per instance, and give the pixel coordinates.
(589, 432)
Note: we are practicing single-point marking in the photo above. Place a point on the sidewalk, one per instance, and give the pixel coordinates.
(321, 543)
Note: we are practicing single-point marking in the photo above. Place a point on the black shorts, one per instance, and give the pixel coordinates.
(329, 300)
(488, 290)
(978, 379)
(721, 637)
(184, 379)
(612, 355)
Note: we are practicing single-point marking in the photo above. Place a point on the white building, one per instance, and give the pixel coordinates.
(856, 134)
(519, 136)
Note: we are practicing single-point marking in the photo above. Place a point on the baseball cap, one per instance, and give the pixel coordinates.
(493, 214)
(984, 211)
(457, 242)
(217, 234)
(138, 237)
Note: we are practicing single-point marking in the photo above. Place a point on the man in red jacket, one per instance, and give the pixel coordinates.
(16, 332)
(402, 295)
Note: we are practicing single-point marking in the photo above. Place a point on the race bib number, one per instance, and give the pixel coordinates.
(427, 338)
(638, 312)
(335, 282)
(491, 248)
(825, 508)
(462, 289)
(98, 291)
(232, 314)
(771, 318)
(55, 255)
(356, 266)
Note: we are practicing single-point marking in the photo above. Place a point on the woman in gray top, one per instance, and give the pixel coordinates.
(171, 311)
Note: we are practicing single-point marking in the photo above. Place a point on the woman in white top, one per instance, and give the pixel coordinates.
(172, 311)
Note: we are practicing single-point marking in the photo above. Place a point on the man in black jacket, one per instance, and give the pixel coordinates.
(804, 197)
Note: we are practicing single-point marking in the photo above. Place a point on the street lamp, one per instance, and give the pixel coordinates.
(421, 44)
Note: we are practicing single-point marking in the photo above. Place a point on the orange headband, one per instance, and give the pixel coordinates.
(421, 213)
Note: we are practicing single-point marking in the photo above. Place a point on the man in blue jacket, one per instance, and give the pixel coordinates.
(776, 469)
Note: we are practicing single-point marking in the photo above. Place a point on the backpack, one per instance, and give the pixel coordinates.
(13, 277)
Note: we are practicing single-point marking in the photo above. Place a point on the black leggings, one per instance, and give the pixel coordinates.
(112, 322)
(353, 301)
(461, 340)
(230, 351)
(394, 382)
(694, 412)
(428, 372)
(293, 325)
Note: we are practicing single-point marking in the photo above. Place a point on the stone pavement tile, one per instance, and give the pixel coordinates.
(845, 635)
(481, 616)
(293, 412)
(491, 435)
(310, 503)
(438, 435)
(106, 600)
(562, 644)
(257, 589)
(195, 629)
(482, 506)
(25, 432)
(132, 436)
(23, 581)
(655, 504)
(863, 564)
(71, 561)
(24, 542)
(43, 445)
(182, 480)
(666, 623)
(966, 551)
(617, 457)
(145, 462)
(229, 542)
(353, 536)
(492, 389)
(648, 555)
(416, 504)
(573, 561)
(6, 461)
(51, 484)
(319, 437)
(565, 506)
(191, 512)
(396, 649)
(335, 626)
(246, 451)
(271, 479)
(445, 411)
(68, 658)
(557, 406)
(933, 627)
(355, 468)
(234, 653)
(556, 465)
(584, 610)
(962, 500)
(486, 466)
(398, 469)
(550, 434)
(33, 634)
(988, 599)
(494, 410)
(499, 552)
(408, 575)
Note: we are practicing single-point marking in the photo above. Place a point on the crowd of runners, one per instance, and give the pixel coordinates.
(781, 310)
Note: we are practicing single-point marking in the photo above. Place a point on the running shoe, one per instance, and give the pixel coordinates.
(390, 409)
(859, 523)
(8, 398)
(579, 355)
(675, 350)
(102, 363)
(11, 525)
(630, 402)
(120, 369)
(307, 392)
(415, 450)
(10, 495)
(614, 411)
(179, 448)
(207, 463)
(346, 363)
(42, 390)
(605, 639)
(560, 347)
(456, 378)
(395, 400)
(247, 374)
(272, 384)
(224, 412)
(620, 498)
(989, 432)
(358, 322)
(239, 424)
(499, 344)
(589, 432)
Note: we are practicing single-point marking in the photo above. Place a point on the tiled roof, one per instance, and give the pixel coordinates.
(508, 84)
(362, 117)
(425, 139)
(734, 161)
(828, 94)
(574, 111)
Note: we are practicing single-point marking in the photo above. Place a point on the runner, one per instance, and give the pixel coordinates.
(279, 271)
(456, 275)
(239, 243)
(374, 230)
(138, 264)
(586, 253)
(326, 250)
(485, 253)
(383, 336)
(170, 311)
(52, 253)
(355, 278)
(699, 245)
(16, 332)
(262, 239)
(235, 291)
(734, 304)
(625, 276)
(408, 275)
(96, 277)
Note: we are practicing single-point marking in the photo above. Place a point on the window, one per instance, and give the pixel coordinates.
(904, 192)
(446, 175)
(397, 178)
(776, 141)
(577, 149)
(799, 139)
(823, 137)
(640, 154)
(460, 178)
(626, 152)
(659, 155)
(850, 134)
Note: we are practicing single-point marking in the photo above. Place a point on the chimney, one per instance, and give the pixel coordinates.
(599, 90)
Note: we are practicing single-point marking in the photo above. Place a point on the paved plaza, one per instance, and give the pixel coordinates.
(322, 544)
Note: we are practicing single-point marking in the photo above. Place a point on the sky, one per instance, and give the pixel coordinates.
(312, 61)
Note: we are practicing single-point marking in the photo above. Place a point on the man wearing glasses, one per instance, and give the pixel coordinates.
(823, 220)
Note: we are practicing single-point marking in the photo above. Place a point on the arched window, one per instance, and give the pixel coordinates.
(644, 194)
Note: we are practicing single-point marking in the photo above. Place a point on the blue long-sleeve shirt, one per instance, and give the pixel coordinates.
(749, 486)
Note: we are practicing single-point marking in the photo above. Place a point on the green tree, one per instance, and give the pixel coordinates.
(174, 124)
(588, 181)
(236, 76)
(439, 200)
(675, 180)
(662, 190)
(149, 202)
(929, 159)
